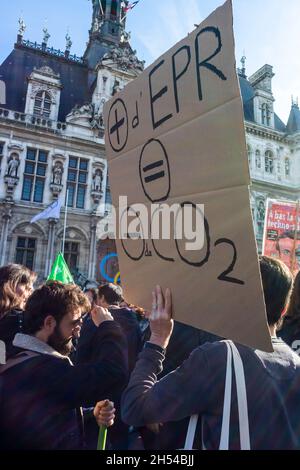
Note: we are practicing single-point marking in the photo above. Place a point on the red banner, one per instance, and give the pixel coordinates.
(282, 233)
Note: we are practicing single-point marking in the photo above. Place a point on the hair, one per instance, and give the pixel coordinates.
(94, 293)
(56, 299)
(11, 277)
(112, 293)
(293, 312)
(277, 282)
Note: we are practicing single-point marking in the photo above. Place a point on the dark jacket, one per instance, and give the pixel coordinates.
(197, 387)
(11, 324)
(290, 333)
(89, 350)
(183, 341)
(42, 396)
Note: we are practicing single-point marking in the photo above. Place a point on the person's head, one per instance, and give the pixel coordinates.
(16, 284)
(91, 295)
(110, 294)
(285, 246)
(277, 282)
(54, 313)
(293, 312)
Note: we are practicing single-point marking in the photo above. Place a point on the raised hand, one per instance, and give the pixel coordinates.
(161, 323)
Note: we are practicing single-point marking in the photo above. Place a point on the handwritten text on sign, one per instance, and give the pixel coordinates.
(175, 135)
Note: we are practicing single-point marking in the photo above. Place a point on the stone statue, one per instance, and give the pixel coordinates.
(13, 166)
(68, 42)
(97, 181)
(22, 27)
(57, 174)
(46, 35)
(261, 211)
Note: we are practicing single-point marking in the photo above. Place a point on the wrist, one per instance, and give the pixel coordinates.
(160, 341)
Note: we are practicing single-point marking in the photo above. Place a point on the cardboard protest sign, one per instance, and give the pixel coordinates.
(282, 232)
(175, 135)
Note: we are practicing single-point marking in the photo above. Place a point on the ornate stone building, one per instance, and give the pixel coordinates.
(52, 141)
(273, 147)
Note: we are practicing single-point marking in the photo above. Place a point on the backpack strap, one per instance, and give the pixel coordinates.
(18, 359)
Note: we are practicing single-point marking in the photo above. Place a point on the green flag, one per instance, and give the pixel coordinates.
(60, 271)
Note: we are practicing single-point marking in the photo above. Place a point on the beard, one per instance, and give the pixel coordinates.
(59, 343)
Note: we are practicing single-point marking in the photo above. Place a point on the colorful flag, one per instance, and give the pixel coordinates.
(52, 212)
(60, 271)
(130, 6)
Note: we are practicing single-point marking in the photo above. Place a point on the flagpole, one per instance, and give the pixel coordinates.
(65, 223)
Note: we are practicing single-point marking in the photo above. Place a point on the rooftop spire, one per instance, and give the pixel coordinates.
(295, 102)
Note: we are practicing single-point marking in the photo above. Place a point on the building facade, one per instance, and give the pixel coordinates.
(273, 147)
(52, 144)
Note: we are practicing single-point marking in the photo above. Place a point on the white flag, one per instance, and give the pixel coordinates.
(52, 212)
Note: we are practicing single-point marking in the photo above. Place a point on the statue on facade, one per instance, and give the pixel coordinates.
(22, 27)
(57, 174)
(97, 181)
(13, 166)
(46, 35)
(261, 211)
(68, 42)
(116, 87)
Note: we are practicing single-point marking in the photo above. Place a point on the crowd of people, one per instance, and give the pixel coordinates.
(79, 360)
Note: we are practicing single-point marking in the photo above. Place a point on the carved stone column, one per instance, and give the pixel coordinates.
(6, 217)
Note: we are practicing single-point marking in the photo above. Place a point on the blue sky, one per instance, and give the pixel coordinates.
(267, 30)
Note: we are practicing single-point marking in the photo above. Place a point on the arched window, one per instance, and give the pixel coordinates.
(42, 104)
(257, 159)
(269, 162)
(287, 167)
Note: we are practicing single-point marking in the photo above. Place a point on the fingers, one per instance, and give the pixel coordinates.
(168, 306)
(160, 299)
(104, 413)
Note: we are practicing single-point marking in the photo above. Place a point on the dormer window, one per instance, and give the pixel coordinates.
(42, 104)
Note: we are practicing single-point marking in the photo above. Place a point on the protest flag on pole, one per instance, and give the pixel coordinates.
(60, 271)
(52, 212)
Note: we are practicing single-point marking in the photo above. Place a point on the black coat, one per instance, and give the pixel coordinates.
(42, 396)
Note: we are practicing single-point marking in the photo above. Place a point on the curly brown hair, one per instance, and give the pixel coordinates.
(56, 299)
(11, 277)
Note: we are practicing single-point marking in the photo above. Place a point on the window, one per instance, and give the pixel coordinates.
(257, 159)
(77, 182)
(42, 104)
(1, 152)
(249, 155)
(34, 175)
(266, 115)
(269, 162)
(71, 254)
(25, 251)
(287, 167)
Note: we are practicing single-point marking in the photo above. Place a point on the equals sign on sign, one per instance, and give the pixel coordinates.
(154, 176)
